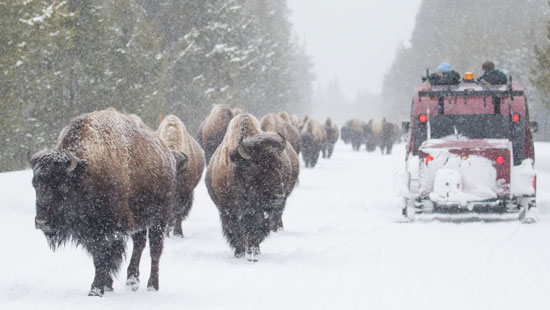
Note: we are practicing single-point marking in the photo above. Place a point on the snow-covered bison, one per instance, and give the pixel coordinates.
(275, 124)
(313, 138)
(388, 136)
(333, 134)
(212, 129)
(246, 180)
(106, 179)
(173, 132)
(353, 132)
(382, 134)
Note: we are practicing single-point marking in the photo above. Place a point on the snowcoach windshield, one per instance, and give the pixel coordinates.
(478, 126)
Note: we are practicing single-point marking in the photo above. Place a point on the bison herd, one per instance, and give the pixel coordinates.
(110, 177)
(373, 134)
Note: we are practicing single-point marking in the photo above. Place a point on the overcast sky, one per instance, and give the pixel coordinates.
(353, 40)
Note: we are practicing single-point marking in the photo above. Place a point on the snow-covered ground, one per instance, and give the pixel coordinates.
(341, 249)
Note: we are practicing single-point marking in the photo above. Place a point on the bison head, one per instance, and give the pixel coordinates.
(346, 134)
(258, 161)
(181, 161)
(260, 150)
(56, 178)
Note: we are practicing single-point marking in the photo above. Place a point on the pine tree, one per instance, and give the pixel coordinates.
(540, 72)
(33, 37)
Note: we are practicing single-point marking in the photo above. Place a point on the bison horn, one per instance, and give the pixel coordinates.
(283, 143)
(74, 161)
(244, 154)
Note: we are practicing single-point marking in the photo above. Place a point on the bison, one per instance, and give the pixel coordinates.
(246, 180)
(173, 132)
(382, 134)
(371, 135)
(295, 121)
(332, 134)
(212, 129)
(273, 123)
(107, 179)
(353, 132)
(313, 138)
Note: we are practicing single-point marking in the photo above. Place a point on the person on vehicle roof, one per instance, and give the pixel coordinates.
(444, 76)
(492, 76)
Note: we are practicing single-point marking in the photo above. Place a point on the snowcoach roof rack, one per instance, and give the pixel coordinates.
(468, 93)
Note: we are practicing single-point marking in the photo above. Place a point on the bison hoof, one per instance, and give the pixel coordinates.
(251, 257)
(179, 235)
(108, 288)
(96, 292)
(252, 253)
(151, 288)
(239, 253)
(132, 283)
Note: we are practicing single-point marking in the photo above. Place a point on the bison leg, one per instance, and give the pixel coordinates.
(101, 276)
(233, 234)
(388, 149)
(256, 231)
(187, 202)
(107, 256)
(315, 159)
(156, 241)
(276, 219)
(330, 150)
(132, 279)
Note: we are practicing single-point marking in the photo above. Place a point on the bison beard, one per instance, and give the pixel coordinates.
(98, 200)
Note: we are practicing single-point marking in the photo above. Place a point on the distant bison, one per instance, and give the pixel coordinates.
(371, 137)
(246, 180)
(313, 138)
(173, 132)
(353, 132)
(295, 121)
(275, 123)
(107, 178)
(382, 134)
(331, 130)
(212, 129)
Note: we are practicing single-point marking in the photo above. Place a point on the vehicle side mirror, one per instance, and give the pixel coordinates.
(405, 126)
(534, 126)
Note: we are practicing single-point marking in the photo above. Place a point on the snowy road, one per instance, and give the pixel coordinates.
(341, 249)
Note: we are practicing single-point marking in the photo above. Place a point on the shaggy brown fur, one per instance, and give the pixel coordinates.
(295, 121)
(313, 138)
(236, 111)
(273, 123)
(138, 121)
(332, 132)
(212, 129)
(107, 178)
(246, 180)
(173, 131)
(353, 132)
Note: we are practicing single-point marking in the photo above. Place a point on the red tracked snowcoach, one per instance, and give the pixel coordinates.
(470, 154)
